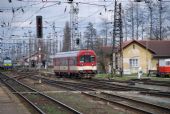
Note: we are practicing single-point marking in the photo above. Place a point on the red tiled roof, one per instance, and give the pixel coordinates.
(159, 48)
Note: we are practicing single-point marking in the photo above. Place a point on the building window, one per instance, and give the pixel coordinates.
(133, 62)
(133, 46)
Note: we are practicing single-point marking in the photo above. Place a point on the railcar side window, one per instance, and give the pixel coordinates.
(74, 60)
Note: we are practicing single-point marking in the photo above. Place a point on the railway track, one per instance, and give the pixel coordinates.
(132, 104)
(124, 102)
(142, 90)
(156, 93)
(105, 83)
(154, 108)
(88, 86)
(42, 103)
(157, 83)
(95, 84)
(142, 81)
(63, 84)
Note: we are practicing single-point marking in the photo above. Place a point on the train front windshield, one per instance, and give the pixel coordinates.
(7, 61)
(87, 59)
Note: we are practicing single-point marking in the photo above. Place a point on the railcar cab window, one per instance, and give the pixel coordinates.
(168, 63)
(92, 58)
(82, 59)
(7, 60)
(87, 58)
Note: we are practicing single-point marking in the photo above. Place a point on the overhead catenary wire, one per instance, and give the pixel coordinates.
(10, 27)
(92, 14)
(58, 2)
(91, 3)
(50, 6)
(30, 17)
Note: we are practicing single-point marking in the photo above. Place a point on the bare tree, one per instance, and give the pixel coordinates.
(103, 57)
(130, 20)
(135, 19)
(90, 36)
(67, 38)
(105, 25)
(160, 20)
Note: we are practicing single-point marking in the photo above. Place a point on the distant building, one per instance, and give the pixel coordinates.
(144, 54)
(34, 59)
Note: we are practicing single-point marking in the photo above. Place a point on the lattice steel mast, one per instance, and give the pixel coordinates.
(117, 58)
(74, 10)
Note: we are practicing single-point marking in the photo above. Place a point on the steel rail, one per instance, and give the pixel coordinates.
(88, 86)
(23, 97)
(156, 83)
(151, 82)
(116, 85)
(106, 100)
(117, 103)
(65, 83)
(149, 91)
(52, 99)
(165, 109)
(160, 94)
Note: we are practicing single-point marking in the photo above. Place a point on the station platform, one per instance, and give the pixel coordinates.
(9, 103)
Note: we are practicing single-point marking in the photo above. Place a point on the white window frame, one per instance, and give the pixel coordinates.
(134, 62)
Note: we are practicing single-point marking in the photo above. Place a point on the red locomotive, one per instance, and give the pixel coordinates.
(163, 67)
(80, 63)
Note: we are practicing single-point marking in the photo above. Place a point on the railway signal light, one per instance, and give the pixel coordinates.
(77, 41)
(39, 26)
(70, 1)
(9, 1)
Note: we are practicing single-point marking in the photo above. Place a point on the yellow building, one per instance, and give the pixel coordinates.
(144, 54)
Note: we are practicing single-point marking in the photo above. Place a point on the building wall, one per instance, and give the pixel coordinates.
(143, 56)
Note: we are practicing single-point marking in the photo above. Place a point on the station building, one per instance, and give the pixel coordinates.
(144, 54)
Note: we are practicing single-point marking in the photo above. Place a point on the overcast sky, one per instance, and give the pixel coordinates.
(18, 17)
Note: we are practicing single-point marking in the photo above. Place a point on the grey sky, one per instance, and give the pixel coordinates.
(22, 19)
(25, 11)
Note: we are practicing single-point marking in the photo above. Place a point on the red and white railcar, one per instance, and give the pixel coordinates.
(164, 67)
(80, 63)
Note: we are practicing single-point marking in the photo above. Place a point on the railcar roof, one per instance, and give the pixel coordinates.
(66, 54)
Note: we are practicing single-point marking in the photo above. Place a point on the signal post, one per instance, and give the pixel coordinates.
(39, 31)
